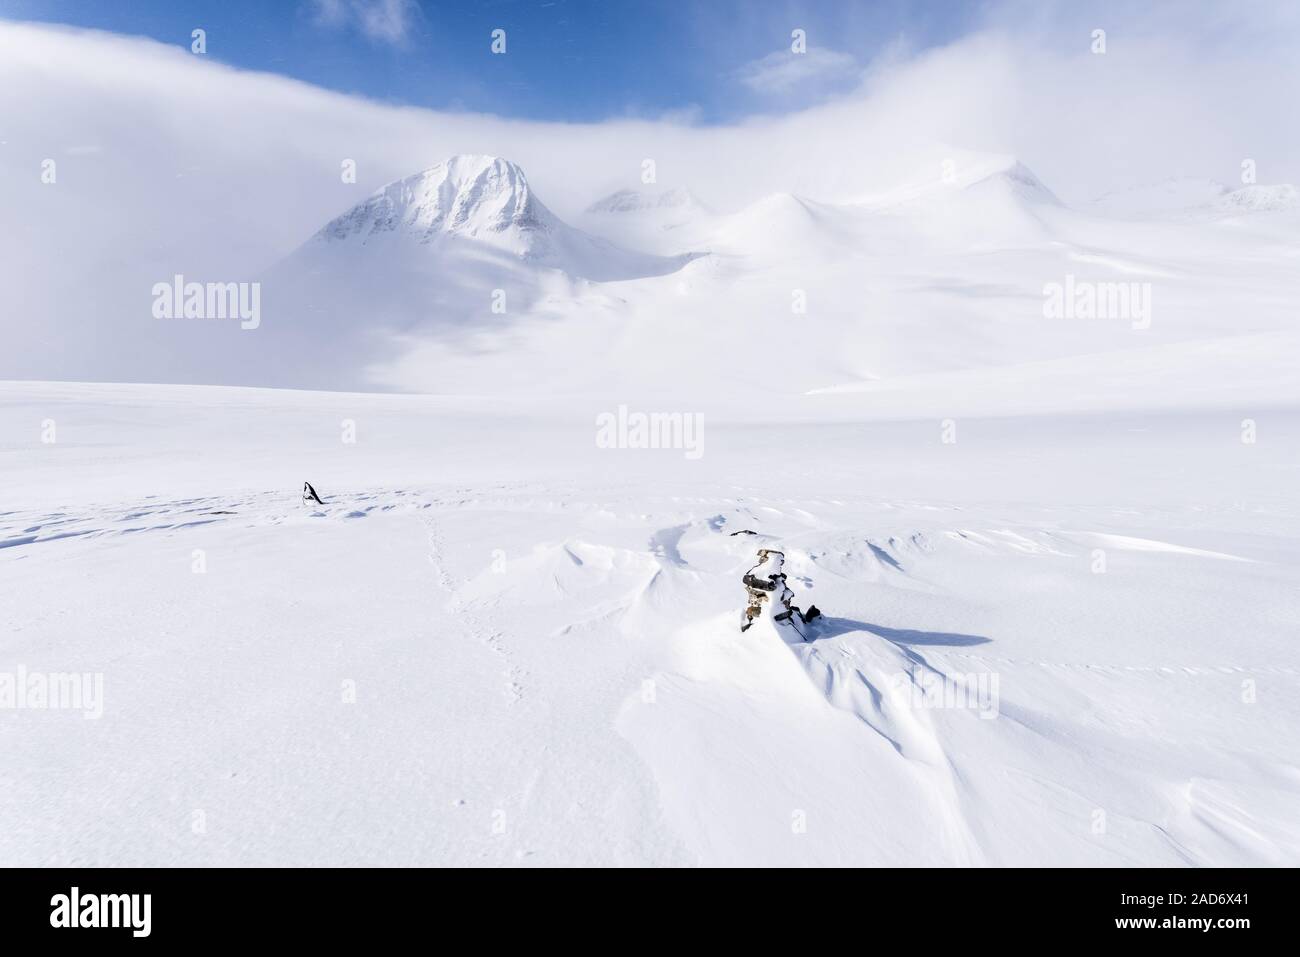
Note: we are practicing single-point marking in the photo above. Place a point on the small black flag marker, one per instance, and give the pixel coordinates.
(309, 494)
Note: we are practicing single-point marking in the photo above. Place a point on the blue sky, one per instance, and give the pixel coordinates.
(568, 60)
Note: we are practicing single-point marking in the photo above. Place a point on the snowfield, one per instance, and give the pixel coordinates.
(497, 643)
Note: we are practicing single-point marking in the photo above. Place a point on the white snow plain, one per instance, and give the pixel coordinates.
(1059, 639)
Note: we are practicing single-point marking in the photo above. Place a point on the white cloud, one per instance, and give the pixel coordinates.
(784, 71)
(385, 21)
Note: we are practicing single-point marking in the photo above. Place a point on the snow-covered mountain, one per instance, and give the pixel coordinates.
(477, 197)
(1261, 198)
(1190, 198)
(459, 278)
(484, 200)
(455, 255)
(946, 174)
(679, 201)
(664, 221)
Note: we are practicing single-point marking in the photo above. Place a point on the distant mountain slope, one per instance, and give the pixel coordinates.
(636, 201)
(1181, 198)
(664, 221)
(1261, 198)
(459, 279)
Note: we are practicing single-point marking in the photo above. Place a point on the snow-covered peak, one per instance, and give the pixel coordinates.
(979, 173)
(1259, 198)
(1183, 198)
(637, 200)
(476, 197)
(1023, 182)
(1174, 194)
